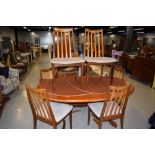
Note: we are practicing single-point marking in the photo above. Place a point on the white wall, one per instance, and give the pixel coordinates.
(45, 37)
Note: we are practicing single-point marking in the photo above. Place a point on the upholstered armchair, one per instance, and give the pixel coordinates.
(12, 82)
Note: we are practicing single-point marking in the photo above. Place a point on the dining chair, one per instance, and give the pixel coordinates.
(94, 50)
(63, 47)
(46, 73)
(118, 72)
(112, 108)
(48, 112)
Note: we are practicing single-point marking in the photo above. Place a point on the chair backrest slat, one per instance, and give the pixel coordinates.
(39, 104)
(117, 103)
(63, 42)
(93, 43)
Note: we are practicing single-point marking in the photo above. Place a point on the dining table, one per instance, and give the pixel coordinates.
(69, 90)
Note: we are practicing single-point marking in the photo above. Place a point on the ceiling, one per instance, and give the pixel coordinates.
(107, 29)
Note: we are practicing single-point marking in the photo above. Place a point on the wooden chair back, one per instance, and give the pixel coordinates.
(93, 43)
(39, 104)
(63, 42)
(119, 72)
(46, 73)
(118, 100)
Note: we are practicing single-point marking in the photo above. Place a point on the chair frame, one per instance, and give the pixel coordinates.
(51, 120)
(89, 51)
(44, 71)
(112, 96)
(118, 72)
(57, 53)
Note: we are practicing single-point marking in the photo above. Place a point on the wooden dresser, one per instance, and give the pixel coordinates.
(144, 68)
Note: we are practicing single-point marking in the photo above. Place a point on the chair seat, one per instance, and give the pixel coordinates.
(67, 61)
(100, 59)
(98, 106)
(60, 110)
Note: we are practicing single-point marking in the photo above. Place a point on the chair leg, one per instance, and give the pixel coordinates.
(70, 119)
(53, 71)
(100, 125)
(88, 65)
(112, 74)
(82, 67)
(34, 123)
(102, 70)
(122, 122)
(88, 116)
(64, 124)
(55, 127)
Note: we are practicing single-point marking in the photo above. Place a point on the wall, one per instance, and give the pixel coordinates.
(7, 32)
(148, 38)
(45, 37)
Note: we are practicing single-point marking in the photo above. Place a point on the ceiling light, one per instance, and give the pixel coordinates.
(121, 31)
(49, 28)
(24, 27)
(109, 32)
(139, 29)
(139, 32)
(112, 27)
(75, 28)
(29, 30)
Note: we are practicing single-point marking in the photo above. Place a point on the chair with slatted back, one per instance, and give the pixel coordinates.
(46, 73)
(63, 47)
(94, 50)
(48, 112)
(112, 108)
(118, 72)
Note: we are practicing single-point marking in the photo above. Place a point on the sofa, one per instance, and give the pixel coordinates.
(9, 84)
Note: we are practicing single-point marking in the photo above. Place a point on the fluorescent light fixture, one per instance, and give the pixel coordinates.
(139, 32)
(112, 27)
(24, 27)
(121, 31)
(109, 32)
(139, 29)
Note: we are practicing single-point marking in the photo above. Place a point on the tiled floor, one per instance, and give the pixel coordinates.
(17, 112)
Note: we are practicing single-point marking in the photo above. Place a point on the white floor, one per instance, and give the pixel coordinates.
(17, 112)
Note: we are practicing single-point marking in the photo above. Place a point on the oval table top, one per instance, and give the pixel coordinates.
(69, 90)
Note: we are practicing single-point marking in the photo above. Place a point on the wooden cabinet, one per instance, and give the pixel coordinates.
(144, 68)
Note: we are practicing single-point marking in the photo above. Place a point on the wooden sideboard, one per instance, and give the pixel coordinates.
(139, 67)
(144, 68)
